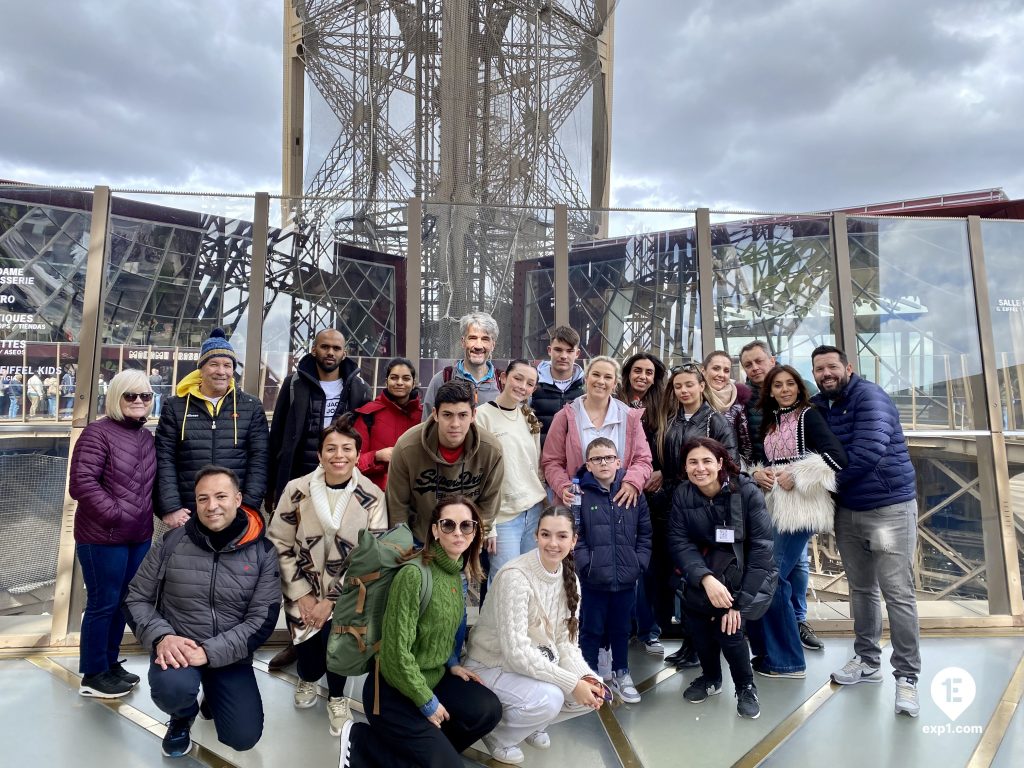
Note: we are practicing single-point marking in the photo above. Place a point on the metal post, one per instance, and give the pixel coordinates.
(414, 279)
(561, 264)
(843, 320)
(294, 114)
(705, 283)
(601, 120)
(69, 595)
(257, 295)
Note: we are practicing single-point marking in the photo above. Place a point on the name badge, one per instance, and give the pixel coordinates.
(725, 535)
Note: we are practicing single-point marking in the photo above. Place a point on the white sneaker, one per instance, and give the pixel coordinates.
(539, 740)
(654, 647)
(305, 694)
(512, 755)
(346, 745)
(338, 713)
(622, 684)
(604, 663)
(906, 697)
(856, 671)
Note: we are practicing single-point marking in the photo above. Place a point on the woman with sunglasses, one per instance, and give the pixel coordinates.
(513, 422)
(525, 645)
(113, 468)
(798, 482)
(386, 418)
(730, 399)
(314, 527)
(431, 707)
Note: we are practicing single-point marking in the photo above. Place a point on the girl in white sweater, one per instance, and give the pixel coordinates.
(525, 645)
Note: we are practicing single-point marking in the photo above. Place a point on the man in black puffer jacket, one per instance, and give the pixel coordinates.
(210, 421)
(560, 379)
(202, 603)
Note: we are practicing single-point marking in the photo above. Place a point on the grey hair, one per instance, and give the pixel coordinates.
(481, 319)
(128, 380)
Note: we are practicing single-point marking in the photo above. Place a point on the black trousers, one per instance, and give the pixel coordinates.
(401, 737)
(711, 644)
(312, 662)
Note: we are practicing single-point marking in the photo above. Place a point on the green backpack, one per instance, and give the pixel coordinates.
(359, 611)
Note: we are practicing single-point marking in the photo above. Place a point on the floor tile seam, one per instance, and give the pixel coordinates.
(999, 723)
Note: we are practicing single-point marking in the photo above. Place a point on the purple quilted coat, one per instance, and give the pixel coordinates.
(112, 473)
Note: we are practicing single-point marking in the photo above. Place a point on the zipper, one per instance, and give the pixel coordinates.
(213, 583)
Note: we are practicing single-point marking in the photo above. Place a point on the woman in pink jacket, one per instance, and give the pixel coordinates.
(597, 414)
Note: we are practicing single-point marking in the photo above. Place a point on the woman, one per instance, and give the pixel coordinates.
(643, 382)
(315, 525)
(730, 399)
(431, 708)
(113, 469)
(596, 414)
(525, 645)
(510, 419)
(803, 458)
(386, 418)
(715, 512)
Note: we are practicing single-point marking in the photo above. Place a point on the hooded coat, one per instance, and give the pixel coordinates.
(382, 421)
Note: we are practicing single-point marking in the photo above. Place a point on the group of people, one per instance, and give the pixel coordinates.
(34, 395)
(593, 504)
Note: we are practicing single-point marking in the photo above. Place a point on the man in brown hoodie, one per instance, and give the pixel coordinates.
(445, 455)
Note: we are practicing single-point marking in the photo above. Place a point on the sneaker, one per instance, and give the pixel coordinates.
(124, 674)
(177, 741)
(761, 668)
(338, 713)
(856, 671)
(283, 658)
(746, 702)
(701, 688)
(539, 740)
(654, 647)
(906, 697)
(512, 755)
(622, 684)
(808, 639)
(305, 694)
(604, 664)
(105, 685)
(346, 745)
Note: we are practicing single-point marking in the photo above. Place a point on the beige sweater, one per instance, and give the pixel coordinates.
(522, 626)
(523, 485)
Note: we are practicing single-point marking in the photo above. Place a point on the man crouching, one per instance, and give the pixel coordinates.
(202, 602)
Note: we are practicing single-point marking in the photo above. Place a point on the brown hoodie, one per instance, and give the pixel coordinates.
(418, 477)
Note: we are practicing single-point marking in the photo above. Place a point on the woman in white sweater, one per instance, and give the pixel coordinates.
(525, 645)
(510, 419)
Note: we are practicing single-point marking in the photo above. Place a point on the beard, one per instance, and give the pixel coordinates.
(831, 392)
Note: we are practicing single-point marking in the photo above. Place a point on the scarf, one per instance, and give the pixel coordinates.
(330, 519)
(724, 400)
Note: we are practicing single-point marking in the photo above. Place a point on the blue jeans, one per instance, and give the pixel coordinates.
(800, 578)
(14, 408)
(107, 569)
(776, 636)
(605, 620)
(515, 537)
(51, 403)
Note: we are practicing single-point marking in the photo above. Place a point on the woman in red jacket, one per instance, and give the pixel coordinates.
(386, 418)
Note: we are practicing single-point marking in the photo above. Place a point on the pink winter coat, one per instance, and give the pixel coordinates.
(562, 456)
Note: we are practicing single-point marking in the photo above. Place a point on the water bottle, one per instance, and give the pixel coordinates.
(577, 495)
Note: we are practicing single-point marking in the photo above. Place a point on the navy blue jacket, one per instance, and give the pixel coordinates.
(867, 424)
(614, 545)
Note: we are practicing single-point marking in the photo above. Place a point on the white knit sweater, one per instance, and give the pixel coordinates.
(522, 626)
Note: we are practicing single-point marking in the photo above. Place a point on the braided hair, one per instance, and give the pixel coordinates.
(569, 581)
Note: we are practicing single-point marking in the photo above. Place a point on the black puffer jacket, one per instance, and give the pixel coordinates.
(706, 422)
(235, 438)
(226, 601)
(299, 419)
(548, 399)
(691, 534)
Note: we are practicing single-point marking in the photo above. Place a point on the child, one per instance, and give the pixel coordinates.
(612, 552)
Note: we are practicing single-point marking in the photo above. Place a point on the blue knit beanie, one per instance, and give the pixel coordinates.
(216, 346)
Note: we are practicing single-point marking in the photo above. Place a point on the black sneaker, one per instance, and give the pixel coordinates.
(124, 674)
(746, 702)
(177, 741)
(105, 685)
(808, 639)
(701, 688)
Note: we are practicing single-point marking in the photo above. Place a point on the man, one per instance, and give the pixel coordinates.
(757, 360)
(201, 604)
(479, 335)
(559, 379)
(447, 454)
(325, 385)
(156, 383)
(36, 393)
(210, 420)
(876, 523)
(67, 390)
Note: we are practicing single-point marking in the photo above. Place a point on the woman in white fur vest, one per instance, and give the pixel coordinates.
(315, 526)
(525, 645)
(798, 480)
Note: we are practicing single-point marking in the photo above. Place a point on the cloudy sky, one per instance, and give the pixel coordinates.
(733, 104)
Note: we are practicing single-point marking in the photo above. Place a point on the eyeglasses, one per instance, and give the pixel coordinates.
(131, 397)
(447, 525)
(603, 460)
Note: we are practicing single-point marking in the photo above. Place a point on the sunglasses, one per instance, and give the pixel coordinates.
(131, 397)
(688, 368)
(447, 525)
(603, 460)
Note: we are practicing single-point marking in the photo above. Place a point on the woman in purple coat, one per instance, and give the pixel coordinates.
(112, 472)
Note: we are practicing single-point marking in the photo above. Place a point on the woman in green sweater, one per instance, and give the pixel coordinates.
(431, 707)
